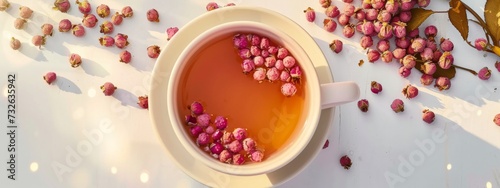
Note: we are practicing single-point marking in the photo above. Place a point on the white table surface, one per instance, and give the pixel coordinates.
(461, 148)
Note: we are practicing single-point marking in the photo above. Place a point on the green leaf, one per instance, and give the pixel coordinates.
(492, 17)
(458, 18)
(419, 15)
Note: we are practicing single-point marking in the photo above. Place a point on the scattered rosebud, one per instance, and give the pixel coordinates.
(399, 53)
(310, 14)
(127, 12)
(107, 41)
(78, 30)
(256, 156)
(325, 3)
(62, 5)
(403, 42)
(326, 144)
(295, 72)
(446, 60)
(117, 19)
(428, 116)
(376, 87)
(366, 41)
(125, 56)
(399, 29)
(349, 9)
(47, 29)
(259, 74)
(142, 101)
(398, 105)
(332, 11)
(410, 91)
(373, 55)
(153, 15)
(363, 105)
(385, 31)
(4, 5)
(171, 31)
(38, 40)
(443, 83)
(329, 25)
(238, 159)
(121, 40)
(404, 71)
(103, 10)
(227, 137)
(220, 122)
(273, 74)
(383, 45)
(378, 4)
(89, 20)
(336, 46)
(249, 144)
(19, 23)
(212, 6)
(75, 60)
(15, 44)
(203, 139)
(437, 55)
(426, 79)
(359, 15)
(84, 6)
(239, 134)
(282, 53)
(497, 65)
(427, 54)
(384, 16)
(65, 25)
(288, 89)
(216, 148)
(446, 45)
(25, 12)
(496, 119)
(247, 66)
(343, 19)
(196, 108)
(423, 3)
(107, 27)
(392, 6)
(429, 68)
(431, 44)
(484, 73)
(371, 14)
(264, 43)
(108, 88)
(196, 130)
(345, 162)
(480, 44)
(50, 77)
(285, 76)
(418, 45)
(225, 156)
(405, 16)
(430, 31)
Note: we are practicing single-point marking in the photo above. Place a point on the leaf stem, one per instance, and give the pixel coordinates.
(441, 11)
(484, 29)
(483, 23)
(465, 69)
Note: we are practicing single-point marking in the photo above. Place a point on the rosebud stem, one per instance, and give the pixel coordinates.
(465, 69)
(442, 11)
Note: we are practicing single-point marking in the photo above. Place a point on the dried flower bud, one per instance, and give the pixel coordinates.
(47, 29)
(212, 6)
(153, 15)
(103, 10)
(387, 56)
(446, 45)
(398, 105)
(117, 19)
(349, 9)
(38, 40)
(399, 53)
(153, 51)
(348, 31)
(429, 68)
(363, 105)
(50, 77)
(107, 41)
(329, 25)
(15, 44)
(332, 11)
(384, 16)
(125, 56)
(89, 20)
(343, 19)
(399, 29)
(78, 30)
(373, 55)
(4, 5)
(325, 3)
(107, 27)
(405, 16)
(367, 28)
(403, 42)
(428, 116)
(383, 45)
(418, 45)
(19, 23)
(442, 83)
(386, 31)
(127, 12)
(426, 79)
(310, 14)
(446, 60)
(84, 6)
(171, 31)
(427, 54)
(366, 41)
(409, 61)
(430, 31)
(62, 5)
(25, 12)
(371, 14)
(480, 44)
(404, 72)
(336, 46)
(484, 73)
(496, 119)
(75, 60)
(423, 3)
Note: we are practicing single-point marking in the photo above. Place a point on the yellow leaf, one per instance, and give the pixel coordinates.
(458, 18)
(492, 18)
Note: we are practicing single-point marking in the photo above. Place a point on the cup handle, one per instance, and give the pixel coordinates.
(337, 93)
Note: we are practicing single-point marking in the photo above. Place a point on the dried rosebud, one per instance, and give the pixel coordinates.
(84, 6)
(127, 12)
(407, 5)
(363, 105)
(285, 76)
(47, 29)
(443, 83)
(153, 15)
(385, 31)
(497, 65)
(446, 60)
(383, 45)
(348, 30)
(428, 116)
(359, 14)
(4, 5)
(409, 61)
(446, 45)
(373, 55)
(366, 41)
(15, 44)
(431, 44)
(427, 54)
(332, 11)
(282, 53)
(410, 91)
(89, 20)
(384, 16)
(106, 41)
(392, 6)
(117, 18)
(418, 45)
(403, 42)
(329, 25)
(429, 68)
(203, 139)
(264, 43)
(347, 1)
(75, 60)
(121, 40)
(387, 56)
(107, 27)
(437, 55)
(367, 28)
(310, 14)
(371, 14)
(325, 3)
(196, 130)
(430, 31)
(496, 119)
(19, 23)
(345, 162)
(343, 19)
(484, 73)
(171, 31)
(25, 12)
(336, 46)
(103, 10)
(399, 29)
(212, 6)
(256, 156)
(398, 105)
(288, 89)
(404, 71)
(108, 88)
(196, 108)
(426, 79)
(125, 56)
(270, 61)
(247, 66)
(349, 9)
(480, 44)
(38, 40)
(259, 74)
(78, 30)
(153, 51)
(424, 3)
(238, 159)
(240, 41)
(376, 87)
(399, 53)
(62, 5)
(378, 4)
(366, 4)
(50, 77)
(295, 72)
(405, 16)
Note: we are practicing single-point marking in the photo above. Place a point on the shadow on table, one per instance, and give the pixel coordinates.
(126, 98)
(67, 85)
(93, 68)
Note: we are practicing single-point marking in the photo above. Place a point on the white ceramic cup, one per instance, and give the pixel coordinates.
(332, 94)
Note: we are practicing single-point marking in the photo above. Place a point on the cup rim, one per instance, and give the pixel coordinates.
(293, 148)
